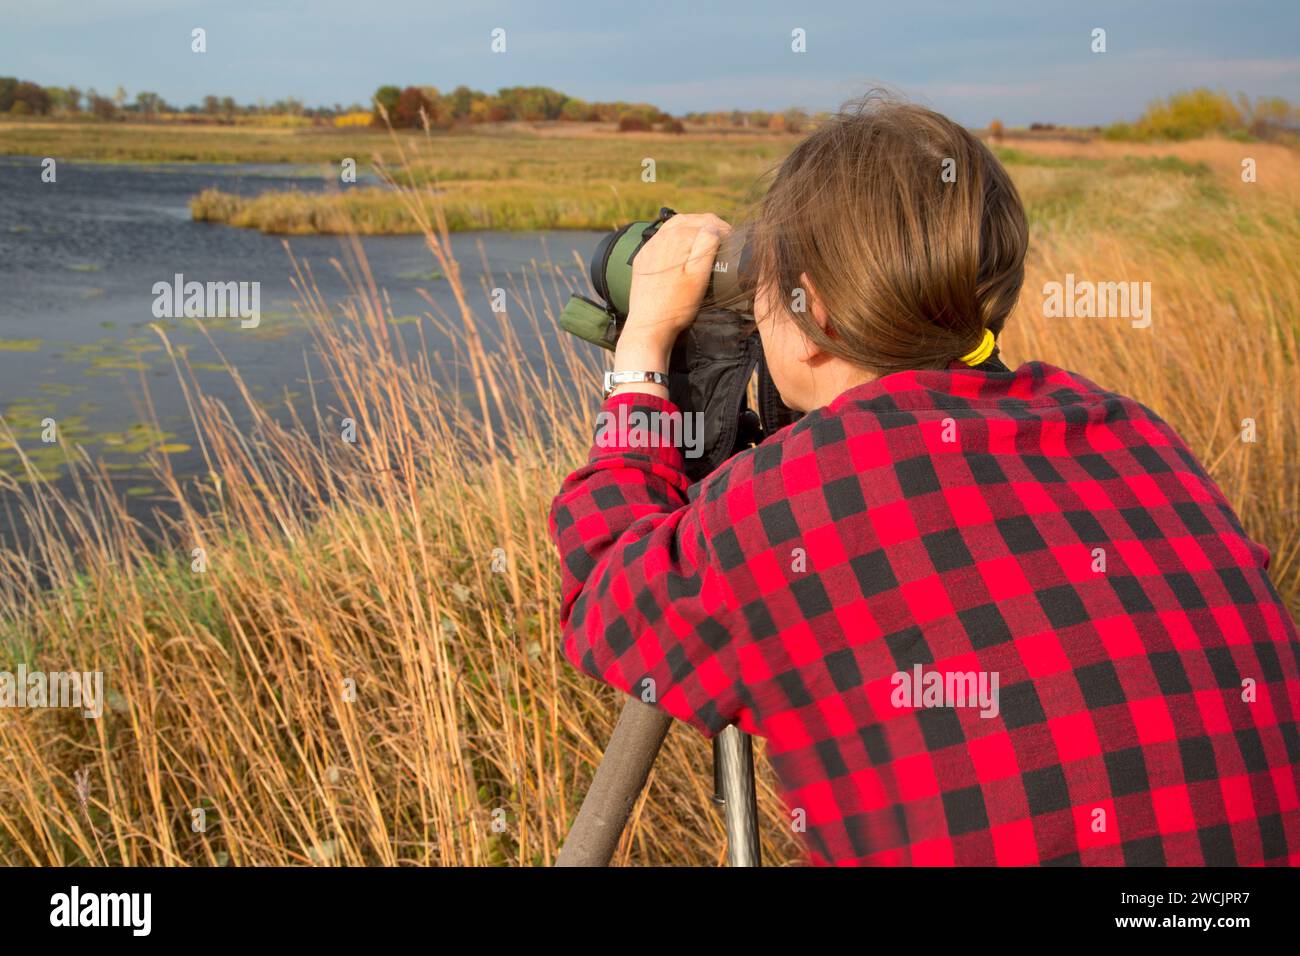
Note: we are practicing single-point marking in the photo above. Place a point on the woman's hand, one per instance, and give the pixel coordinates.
(669, 278)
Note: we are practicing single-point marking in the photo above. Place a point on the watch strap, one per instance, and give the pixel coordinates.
(614, 379)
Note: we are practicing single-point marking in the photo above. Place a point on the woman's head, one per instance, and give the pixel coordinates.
(890, 239)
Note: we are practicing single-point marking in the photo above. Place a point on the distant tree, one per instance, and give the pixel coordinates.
(73, 99)
(633, 122)
(119, 97)
(413, 105)
(228, 106)
(1189, 114)
(37, 99)
(532, 103)
(211, 105)
(148, 104)
(577, 111)
(996, 131)
(23, 98)
(437, 108)
(101, 107)
(460, 101)
(386, 98)
(1269, 114)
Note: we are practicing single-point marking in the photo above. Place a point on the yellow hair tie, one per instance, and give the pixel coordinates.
(982, 351)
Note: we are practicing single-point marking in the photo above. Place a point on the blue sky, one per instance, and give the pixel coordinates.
(1017, 61)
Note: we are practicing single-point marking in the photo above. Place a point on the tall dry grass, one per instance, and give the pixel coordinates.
(332, 566)
(378, 565)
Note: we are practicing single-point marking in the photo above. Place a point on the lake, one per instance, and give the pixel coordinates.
(78, 262)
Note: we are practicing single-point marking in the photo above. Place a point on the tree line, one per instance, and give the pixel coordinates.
(24, 98)
(414, 106)
(1190, 113)
(409, 106)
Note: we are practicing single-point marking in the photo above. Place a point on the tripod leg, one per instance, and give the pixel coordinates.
(733, 776)
(619, 780)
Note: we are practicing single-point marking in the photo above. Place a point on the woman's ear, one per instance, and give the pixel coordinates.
(811, 305)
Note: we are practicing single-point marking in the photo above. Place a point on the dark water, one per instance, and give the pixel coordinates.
(78, 262)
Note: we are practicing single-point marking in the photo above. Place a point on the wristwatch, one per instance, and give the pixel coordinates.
(614, 379)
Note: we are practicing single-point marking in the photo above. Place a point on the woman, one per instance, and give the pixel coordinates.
(982, 616)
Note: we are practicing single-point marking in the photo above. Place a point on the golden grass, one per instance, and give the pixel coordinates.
(522, 182)
(502, 205)
(309, 145)
(373, 562)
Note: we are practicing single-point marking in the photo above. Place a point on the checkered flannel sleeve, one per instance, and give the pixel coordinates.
(643, 606)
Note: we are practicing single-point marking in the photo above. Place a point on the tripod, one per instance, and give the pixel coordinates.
(622, 775)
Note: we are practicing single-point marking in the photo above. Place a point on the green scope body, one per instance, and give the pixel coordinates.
(611, 267)
(610, 270)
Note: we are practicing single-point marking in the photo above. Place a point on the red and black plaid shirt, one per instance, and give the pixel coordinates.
(1026, 524)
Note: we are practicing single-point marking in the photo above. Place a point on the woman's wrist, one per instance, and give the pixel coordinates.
(641, 353)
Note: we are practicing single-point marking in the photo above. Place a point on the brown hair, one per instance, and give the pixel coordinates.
(911, 268)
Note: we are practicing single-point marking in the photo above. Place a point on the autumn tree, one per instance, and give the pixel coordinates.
(412, 104)
(386, 98)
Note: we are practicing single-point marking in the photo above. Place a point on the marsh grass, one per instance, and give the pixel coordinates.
(519, 183)
(329, 562)
(503, 206)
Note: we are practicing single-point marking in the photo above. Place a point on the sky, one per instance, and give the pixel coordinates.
(1019, 62)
